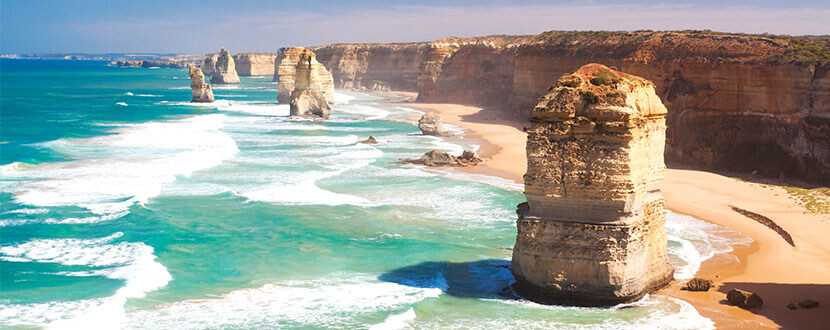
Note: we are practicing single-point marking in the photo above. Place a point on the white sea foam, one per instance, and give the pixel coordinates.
(214, 104)
(365, 111)
(340, 98)
(115, 171)
(257, 108)
(693, 241)
(330, 303)
(396, 321)
(132, 262)
(129, 93)
(302, 188)
(123, 104)
(480, 178)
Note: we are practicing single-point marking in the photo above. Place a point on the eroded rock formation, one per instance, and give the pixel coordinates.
(735, 102)
(591, 232)
(201, 90)
(309, 97)
(430, 124)
(220, 68)
(254, 64)
(285, 74)
(435, 158)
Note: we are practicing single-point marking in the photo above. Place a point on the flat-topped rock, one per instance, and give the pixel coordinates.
(592, 230)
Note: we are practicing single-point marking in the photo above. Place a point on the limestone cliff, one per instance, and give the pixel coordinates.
(591, 232)
(309, 97)
(735, 102)
(201, 90)
(285, 64)
(359, 66)
(254, 64)
(220, 68)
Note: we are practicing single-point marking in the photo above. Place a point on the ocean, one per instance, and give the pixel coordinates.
(123, 205)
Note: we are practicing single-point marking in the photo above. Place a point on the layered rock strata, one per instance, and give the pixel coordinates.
(430, 124)
(735, 102)
(309, 97)
(254, 64)
(285, 72)
(201, 90)
(220, 68)
(591, 232)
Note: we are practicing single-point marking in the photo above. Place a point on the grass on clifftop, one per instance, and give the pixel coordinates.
(805, 50)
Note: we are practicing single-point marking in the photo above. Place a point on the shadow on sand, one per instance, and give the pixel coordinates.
(489, 278)
(776, 296)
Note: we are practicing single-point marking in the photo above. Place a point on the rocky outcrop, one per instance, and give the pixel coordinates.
(430, 124)
(697, 284)
(591, 232)
(808, 303)
(435, 158)
(201, 90)
(735, 102)
(220, 68)
(309, 97)
(741, 298)
(285, 74)
(370, 140)
(254, 64)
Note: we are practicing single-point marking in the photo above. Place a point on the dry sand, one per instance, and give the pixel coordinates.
(771, 267)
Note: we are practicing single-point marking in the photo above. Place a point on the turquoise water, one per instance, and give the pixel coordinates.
(125, 206)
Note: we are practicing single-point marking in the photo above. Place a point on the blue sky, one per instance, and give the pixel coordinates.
(203, 26)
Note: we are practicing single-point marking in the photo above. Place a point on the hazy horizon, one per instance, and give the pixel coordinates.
(258, 26)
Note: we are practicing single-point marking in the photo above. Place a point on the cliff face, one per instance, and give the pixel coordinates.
(735, 102)
(201, 90)
(254, 64)
(220, 68)
(310, 96)
(591, 232)
(358, 66)
(176, 64)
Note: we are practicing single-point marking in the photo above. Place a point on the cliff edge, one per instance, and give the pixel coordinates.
(735, 102)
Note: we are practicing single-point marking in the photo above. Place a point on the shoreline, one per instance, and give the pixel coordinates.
(778, 272)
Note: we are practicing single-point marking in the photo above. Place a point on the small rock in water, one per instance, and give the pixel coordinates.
(791, 306)
(697, 284)
(430, 124)
(742, 298)
(370, 140)
(438, 158)
(809, 303)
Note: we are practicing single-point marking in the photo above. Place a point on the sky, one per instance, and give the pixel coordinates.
(194, 27)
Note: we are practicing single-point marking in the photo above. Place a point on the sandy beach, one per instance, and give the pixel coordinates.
(779, 272)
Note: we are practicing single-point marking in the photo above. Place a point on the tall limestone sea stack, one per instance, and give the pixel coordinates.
(592, 230)
(220, 68)
(201, 90)
(285, 67)
(310, 97)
